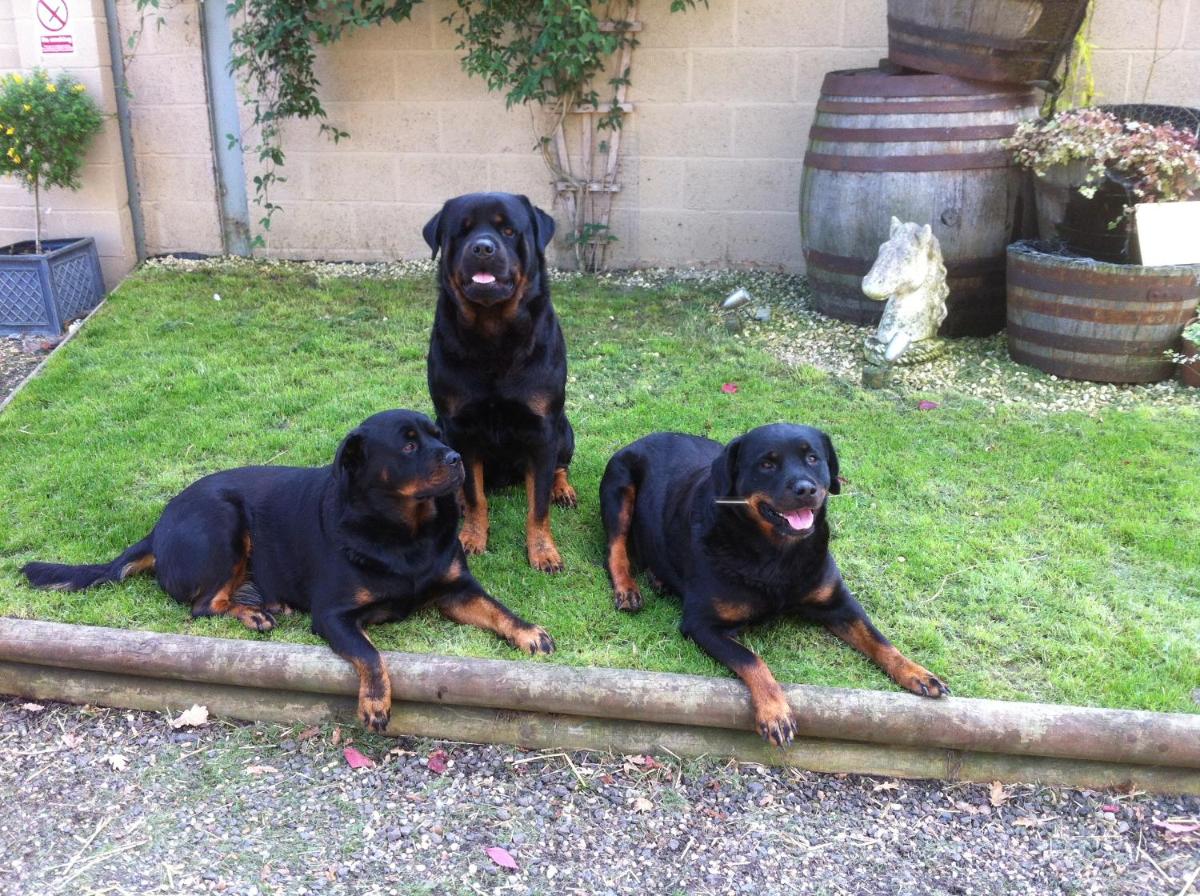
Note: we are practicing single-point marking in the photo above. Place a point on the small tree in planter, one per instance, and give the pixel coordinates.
(1091, 168)
(46, 127)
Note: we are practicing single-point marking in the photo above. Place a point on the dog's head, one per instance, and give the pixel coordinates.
(785, 472)
(394, 458)
(492, 246)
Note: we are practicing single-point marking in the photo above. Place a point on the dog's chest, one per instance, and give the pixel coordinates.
(763, 588)
(495, 416)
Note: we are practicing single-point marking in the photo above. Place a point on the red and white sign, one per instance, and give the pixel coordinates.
(58, 43)
(52, 16)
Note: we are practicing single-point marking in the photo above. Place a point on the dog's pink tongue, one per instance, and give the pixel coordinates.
(799, 519)
(483, 277)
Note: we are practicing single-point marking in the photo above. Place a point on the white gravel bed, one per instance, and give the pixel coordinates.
(102, 801)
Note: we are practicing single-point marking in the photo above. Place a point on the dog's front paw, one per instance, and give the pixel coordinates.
(629, 599)
(533, 639)
(545, 558)
(375, 712)
(563, 493)
(775, 721)
(253, 618)
(916, 678)
(473, 540)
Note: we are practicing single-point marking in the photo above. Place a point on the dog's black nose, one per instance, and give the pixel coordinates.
(451, 458)
(483, 247)
(804, 488)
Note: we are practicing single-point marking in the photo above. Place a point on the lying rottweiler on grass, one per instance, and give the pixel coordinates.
(370, 539)
(739, 531)
(498, 363)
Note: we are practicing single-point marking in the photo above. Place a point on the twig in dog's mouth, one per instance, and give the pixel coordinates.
(747, 500)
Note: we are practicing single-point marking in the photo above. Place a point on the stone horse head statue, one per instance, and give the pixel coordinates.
(909, 275)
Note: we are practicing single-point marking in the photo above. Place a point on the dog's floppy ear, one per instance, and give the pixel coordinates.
(831, 458)
(433, 232)
(724, 469)
(543, 224)
(351, 454)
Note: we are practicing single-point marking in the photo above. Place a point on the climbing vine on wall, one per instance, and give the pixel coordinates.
(543, 52)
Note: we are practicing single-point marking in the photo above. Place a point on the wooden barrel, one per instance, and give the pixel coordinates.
(925, 148)
(1090, 320)
(1003, 41)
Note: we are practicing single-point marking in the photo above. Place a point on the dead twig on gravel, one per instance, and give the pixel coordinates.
(104, 822)
(100, 858)
(574, 770)
(1191, 880)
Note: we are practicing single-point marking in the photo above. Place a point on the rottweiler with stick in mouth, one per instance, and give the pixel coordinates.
(740, 532)
(498, 363)
(369, 539)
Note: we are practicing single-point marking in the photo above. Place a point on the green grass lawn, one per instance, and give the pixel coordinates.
(1016, 554)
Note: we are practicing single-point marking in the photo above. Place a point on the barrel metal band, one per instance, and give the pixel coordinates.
(911, 135)
(942, 107)
(1073, 343)
(845, 264)
(1058, 306)
(1098, 285)
(967, 161)
(873, 82)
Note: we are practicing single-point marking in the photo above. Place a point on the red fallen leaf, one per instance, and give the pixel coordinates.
(357, 759)
(437, 764)
(651, 762)
(729, 388)
(500, 856)
(927, 405)
(608, 779)
(308, 733)
(1111, 807)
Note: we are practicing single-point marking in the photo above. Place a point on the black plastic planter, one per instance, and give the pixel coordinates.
(41, 294)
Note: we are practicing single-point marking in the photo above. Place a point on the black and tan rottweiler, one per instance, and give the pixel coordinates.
(498, 362)
(666, 505)
(369, 539)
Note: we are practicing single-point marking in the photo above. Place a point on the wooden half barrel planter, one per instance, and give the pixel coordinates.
(1189, 370)
(1005, 41)
(546, 706)
(1090, 320)
(925, 148)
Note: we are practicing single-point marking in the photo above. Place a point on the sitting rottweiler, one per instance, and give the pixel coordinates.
(740, 532)
(366, 540)
(498, 363)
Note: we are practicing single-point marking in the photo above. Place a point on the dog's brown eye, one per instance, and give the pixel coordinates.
(507, 231)
(767, 465)
(409, 447)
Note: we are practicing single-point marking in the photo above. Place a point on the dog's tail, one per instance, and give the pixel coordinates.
(64, 577)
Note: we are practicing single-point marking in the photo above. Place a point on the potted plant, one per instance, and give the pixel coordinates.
(46, 126)
(1188, 358)
(1091, 168)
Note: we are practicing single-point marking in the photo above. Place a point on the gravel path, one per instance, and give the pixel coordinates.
(112, 801)
(18, 356)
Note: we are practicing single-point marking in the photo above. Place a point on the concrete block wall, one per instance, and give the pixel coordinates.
(101, 208)
(711, 158)
(171, 135)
